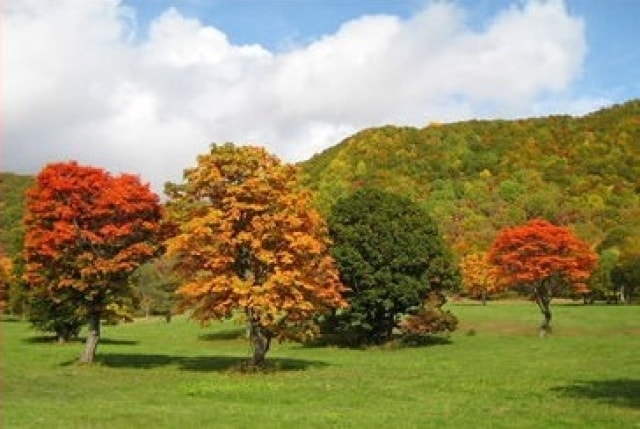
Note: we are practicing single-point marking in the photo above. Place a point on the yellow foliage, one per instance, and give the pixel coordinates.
(250, 240)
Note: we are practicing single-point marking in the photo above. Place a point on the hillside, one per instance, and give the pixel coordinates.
(478, 176)
(475, 176)
(12, 189)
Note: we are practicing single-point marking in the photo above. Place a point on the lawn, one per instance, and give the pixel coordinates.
(495, 372)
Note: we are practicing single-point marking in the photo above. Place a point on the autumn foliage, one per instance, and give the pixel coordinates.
(6, 277)
(86, 231)
(478, 275)
(251, 245)
(541, 256)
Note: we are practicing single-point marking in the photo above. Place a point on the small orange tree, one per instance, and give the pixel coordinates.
(250, 240)
(478, 275)
(6, 277)
(86, 231)
(541, 256)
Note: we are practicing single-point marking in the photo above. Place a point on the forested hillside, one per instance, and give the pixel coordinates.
(476, 177)
(12, 189)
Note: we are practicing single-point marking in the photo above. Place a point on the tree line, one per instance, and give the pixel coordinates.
(239, 238)
(477, 177)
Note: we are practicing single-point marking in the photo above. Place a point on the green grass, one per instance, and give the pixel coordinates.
(495, 373)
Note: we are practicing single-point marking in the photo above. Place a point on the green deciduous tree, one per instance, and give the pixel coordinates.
(155, 283)
(391, 255)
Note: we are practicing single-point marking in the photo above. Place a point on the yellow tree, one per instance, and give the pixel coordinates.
(250, 245)
(478, 275)
(6, 277)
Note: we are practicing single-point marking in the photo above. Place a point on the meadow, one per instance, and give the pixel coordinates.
(493, 372)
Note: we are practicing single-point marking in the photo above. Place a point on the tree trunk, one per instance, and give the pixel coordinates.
(260, 341)
(93, 336)
(543, 299)
(484, 298)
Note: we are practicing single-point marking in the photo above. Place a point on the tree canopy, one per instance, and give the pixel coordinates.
(391, 255)
(251, 245)
(86, 231)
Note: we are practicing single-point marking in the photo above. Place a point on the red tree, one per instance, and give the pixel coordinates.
(539, 256)
(86, 231)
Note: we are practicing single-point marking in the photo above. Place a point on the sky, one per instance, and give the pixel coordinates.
(144, 86)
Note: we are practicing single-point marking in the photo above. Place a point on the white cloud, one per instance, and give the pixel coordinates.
(77, 85)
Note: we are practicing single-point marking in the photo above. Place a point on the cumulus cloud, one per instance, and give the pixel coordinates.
(78, 85)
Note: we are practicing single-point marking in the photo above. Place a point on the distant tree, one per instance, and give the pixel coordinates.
(250, 245)
(626, 277)
(601, 285)
(86, 231)
(623, 271)
(391, 256)
(478, 275)
(542, 257)
(6, 278)
(155, 283)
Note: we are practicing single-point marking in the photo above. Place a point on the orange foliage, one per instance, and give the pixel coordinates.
(6, 276)
(540, 251)
(87, 229)
(249, 239)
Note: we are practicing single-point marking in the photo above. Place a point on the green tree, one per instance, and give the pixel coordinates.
(155, 283)
(601, 284)
(391, 255)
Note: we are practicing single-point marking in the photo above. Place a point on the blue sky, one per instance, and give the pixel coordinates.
(144, 86)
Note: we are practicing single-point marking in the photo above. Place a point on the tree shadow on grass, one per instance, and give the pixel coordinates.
(623, 391)
(346, 342)
(227, 334)
(200, 363)
(52, 339)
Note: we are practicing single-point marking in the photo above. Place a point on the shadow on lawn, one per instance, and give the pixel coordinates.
(200, 363)
(227, 334)
(44, 339)
(623, 391)
(345, 342)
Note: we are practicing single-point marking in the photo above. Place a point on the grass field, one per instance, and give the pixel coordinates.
(494, 373)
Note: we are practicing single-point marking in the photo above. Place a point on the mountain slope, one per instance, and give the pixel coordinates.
(12, 202)
(478, 176)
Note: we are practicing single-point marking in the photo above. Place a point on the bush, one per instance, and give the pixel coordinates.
(431, 319)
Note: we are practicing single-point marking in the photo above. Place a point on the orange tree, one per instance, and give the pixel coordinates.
(478, 276)
(541, 257)
(250, 245)
(86, 231)
(6, 277)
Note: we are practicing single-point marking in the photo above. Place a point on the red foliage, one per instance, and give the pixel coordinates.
(87, 229)
(540, 251)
